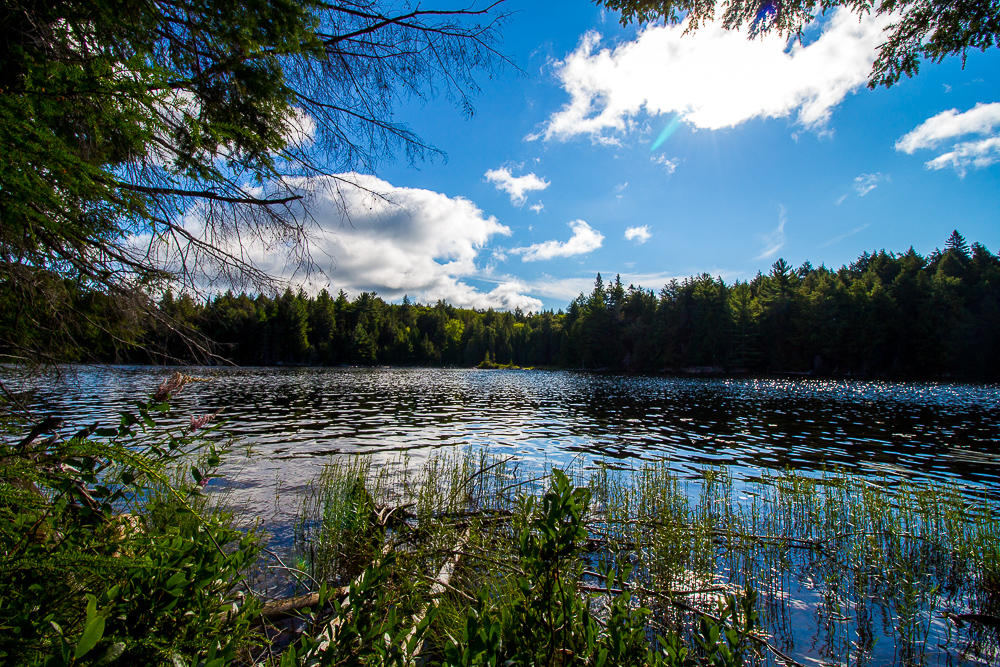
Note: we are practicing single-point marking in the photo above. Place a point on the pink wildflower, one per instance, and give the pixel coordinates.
(172, 384)
(199, 422)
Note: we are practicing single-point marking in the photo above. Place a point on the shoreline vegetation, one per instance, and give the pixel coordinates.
(899, 315)
(113, 553)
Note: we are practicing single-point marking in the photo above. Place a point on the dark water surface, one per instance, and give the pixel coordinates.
(925, 429)
(290, 421)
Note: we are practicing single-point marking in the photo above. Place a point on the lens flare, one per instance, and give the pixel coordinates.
(667, 131)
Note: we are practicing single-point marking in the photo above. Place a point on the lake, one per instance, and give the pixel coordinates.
(872, 427)
(291, 421)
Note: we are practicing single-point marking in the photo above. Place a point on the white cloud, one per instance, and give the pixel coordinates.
(668, 164)
(967, 154)
(372, 236)
(515, 186)
(621, 187)
(537, 208)
(865, 183)
(638, 234)
(300, 128)
(982, 119)
(713, 78)
(585, 238)
(565, 289)
(774, 241)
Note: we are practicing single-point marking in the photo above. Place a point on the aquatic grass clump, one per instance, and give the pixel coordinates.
(847, 569)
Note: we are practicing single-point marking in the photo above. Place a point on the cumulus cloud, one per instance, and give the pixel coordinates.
(585, 238)
(774, 241)
(372, 236)
(515, 186)
(983, 120)
(713, 78)
(639, 235)
(865, 183)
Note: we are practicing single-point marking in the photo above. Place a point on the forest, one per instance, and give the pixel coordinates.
(886, 314)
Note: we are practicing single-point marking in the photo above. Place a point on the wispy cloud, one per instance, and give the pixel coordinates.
(585, 239)
(714, 78)
(638, 235)
(668, 164)
(516, 186)
(976, 154)
(774, 241)
(982, 119)
(840, 238)
(865, 183)
(537, 208)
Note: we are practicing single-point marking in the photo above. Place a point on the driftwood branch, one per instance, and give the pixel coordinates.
(277, 609)
(442, 582)
(983, 619)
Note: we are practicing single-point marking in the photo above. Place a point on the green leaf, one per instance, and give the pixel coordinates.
(176, 580)
(113, 653)
(91, 635)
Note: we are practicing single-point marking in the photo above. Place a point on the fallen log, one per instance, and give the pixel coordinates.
(982, 619)
(442, 582)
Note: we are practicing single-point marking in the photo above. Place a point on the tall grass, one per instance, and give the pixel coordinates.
(848, 570)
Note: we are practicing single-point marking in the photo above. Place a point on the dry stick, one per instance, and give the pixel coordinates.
(696, 591)
(694, 610)
(460, 593)
(331, 627)
(276, 609)
(442, 582)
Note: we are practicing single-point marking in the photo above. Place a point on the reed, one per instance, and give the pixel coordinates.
(847, 569)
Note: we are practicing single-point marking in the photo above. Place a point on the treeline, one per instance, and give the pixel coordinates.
(885, 314)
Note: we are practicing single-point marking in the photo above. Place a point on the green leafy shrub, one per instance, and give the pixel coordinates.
(110, 556)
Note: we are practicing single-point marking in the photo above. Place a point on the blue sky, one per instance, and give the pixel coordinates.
(655, 155)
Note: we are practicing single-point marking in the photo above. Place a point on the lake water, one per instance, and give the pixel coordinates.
(292, 420)
(872, 427)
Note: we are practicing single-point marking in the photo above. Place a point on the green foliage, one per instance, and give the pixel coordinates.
(530, 608)
(121, 118)
(922, 28)
(366, 629)
(110, 552)
(884, 314)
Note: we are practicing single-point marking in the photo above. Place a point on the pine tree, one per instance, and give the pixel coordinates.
(956, 243)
